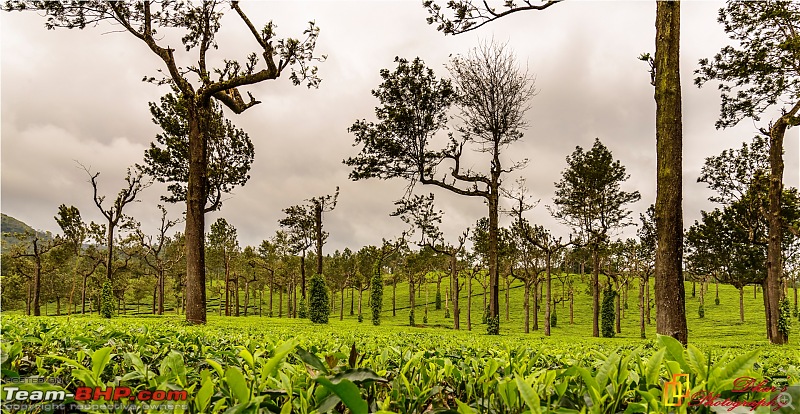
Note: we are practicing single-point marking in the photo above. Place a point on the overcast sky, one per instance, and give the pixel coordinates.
(70, 96)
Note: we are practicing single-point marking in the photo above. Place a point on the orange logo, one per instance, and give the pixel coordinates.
(676, 391)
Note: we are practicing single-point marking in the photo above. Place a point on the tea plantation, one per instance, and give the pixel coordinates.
(260, 364)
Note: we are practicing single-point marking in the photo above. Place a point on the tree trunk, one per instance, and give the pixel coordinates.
(526, 309)
(353, 300)
(716, 286)
(280, 302)
(155, 299)
(161, 293)
(595, 292)
(755, 291)
(618, 309)
(246, 296)
(670, 298)
(647, 299)
(394, 296)
(641, 308)
(318, 233)
(772, 288)
(341, 307)
(469, 302)
(494, 274)
(571, 307)
(195, 212)
(454, 290)
(741, 303)
(303, 274)
(236, 285)
(28, 298)
(508, 292)
(37, 284)
(548, 283)
(227, 289)
(58, 305)
(83, 296)
(536, 304)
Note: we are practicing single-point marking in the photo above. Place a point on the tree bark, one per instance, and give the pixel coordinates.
(670, 298)
(642, 333)
(195, 212)
(536, 304)
(772, 287)
(526, 310)
(548, 283)
(618, 308)
(494, 274)
(454, 290)
(37, 285)
(595, 292)
(741, 303)
(469, 301)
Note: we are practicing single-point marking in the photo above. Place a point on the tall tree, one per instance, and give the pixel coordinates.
(761, 74)
(223, 240)
(589, 199)
(76, 233)
(493, 94)
(304, 226)
(198, 25)
(670, 300)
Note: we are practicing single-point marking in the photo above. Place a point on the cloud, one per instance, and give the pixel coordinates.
(78, 95)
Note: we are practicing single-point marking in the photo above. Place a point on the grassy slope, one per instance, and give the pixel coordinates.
(720, 327)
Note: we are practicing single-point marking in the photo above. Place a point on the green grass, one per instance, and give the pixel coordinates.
(720, 327)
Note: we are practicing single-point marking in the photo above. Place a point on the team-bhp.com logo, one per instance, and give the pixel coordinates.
(678, 392)
(93, 398)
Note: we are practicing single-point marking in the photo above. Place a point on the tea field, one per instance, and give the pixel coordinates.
(279, 365)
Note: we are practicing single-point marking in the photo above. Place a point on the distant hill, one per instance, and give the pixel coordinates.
(12, 225)
(9, 225)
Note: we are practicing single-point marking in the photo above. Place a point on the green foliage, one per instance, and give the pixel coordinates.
(716, 301)
(554, 318)
(319, 306)
(438, 301)
(607, 313)
(588, 196)
(413, 107)
(294, 367)
(763, 68)
(107, 300)
(376, 293)
(447, 313)
(701, 312)
(784, 317)
(230, 151)
(302, 311)
(425, 317)
(411, 317)
(493, 325)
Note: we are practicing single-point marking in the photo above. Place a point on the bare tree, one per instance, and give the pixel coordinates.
(153, 254)
(134, 184)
